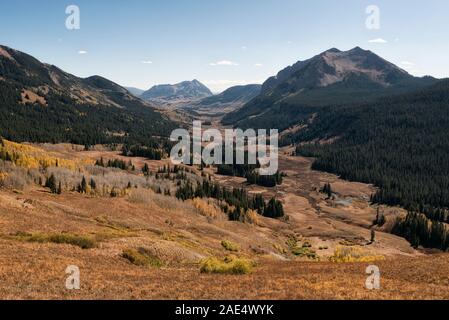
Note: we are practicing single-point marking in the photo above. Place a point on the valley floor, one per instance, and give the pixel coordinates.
(180, 235)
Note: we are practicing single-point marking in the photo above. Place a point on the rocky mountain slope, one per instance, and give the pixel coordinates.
(186, 90)
(332, 77)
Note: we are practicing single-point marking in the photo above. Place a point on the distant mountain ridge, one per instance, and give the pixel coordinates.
(42, 103)
(334, 66)
(234, 95)
(229, 100)
(135, 91)
(186, 90)
(332, 77)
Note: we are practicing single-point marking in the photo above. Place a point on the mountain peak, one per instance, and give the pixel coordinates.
(335, 66)
(186, 90)
(358, 49)
(333, 50)
(332, 77)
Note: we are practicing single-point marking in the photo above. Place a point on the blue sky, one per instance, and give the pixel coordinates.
(221, 43)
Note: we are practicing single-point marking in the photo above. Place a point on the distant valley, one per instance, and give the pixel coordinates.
(229, 100)
(42, 103)
(231, 151)
(363, 178)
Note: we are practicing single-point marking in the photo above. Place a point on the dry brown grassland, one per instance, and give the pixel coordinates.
(131, 240)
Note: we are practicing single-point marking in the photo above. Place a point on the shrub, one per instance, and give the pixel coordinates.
(80, 241)
(83, 242)
(251, 217)
(305, 252)
(141, 257)
(353, 254)
(14, 180)
(306, 245)
(206, 208)
(230, 246)
(143, 196)
(229, 265)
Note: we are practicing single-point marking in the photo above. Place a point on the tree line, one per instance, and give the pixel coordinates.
(421, 231)
(236, 198)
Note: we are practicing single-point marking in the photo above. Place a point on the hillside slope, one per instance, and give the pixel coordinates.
(399, 144)
(42, 103)
(333, 77)
(41, 233)
(186, 90)
(135, 91)
(227, 101)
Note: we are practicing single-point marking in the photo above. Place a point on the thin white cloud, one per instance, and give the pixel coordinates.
(378, 40)
(244, 48)
(224, 63)
(258, 65)
(409, 66)
(147, 62)
(82, 52)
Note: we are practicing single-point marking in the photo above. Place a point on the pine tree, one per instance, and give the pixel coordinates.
(146, 169)
(51, 184)
(114, 193)
(373, 235)
(93, 184)
(274, 209)
(380, 218)
(327, 189)
(82, 188)
(100, 162)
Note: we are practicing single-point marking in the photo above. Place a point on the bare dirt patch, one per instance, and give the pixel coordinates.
(6, 54)
(29, 96)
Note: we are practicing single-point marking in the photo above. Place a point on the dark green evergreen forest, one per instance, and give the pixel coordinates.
(64, 118)
(400, 144)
